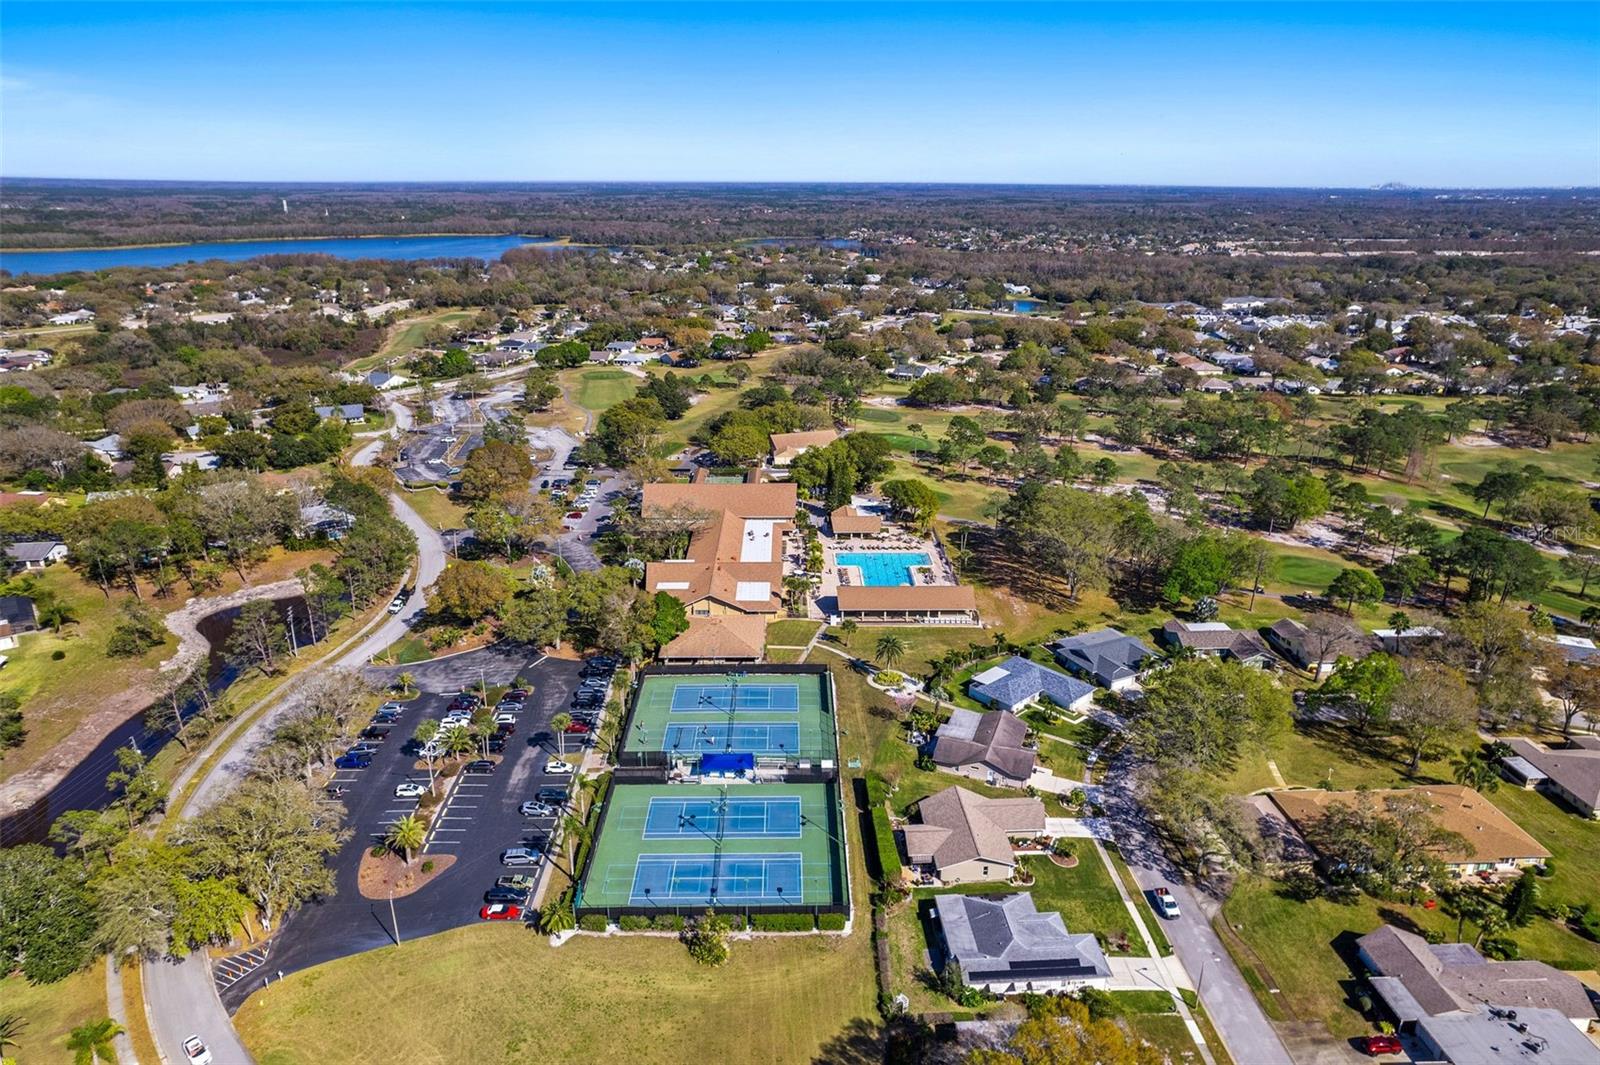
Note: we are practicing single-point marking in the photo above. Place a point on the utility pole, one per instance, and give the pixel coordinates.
(393, 923)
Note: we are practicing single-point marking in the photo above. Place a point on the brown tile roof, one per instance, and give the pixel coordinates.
(958, 825)
(774, 499)
(1491, 835)
(845, 520)
(1215, 636)
(790, 445)
(996, 743)
(729, 636)
(932, 597)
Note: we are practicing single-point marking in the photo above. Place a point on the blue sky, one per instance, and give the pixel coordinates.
(1266, 94)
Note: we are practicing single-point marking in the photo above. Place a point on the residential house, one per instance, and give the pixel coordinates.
(655, 345)
(918, 604)
(1295, 642)
(1109, 658)
(323, 519)
(724, 638)
(382, 379)
(1004, 945)
(1570, 773)
(178, 461)
(34, 554)
(634, 358)
(786, 447)
(622, 347)
(1215, 639)
(961, 836)
(16, 617)
(196, 395)
(1018, 681)
(600, 358)
(1490, 841)
(911, 371)
(846, 521)
(1576, 648)
(734, 562)
(349, 413)
(1403, 641)
(108, 448)
(72, 317)
(987, 747)
(1418, 979)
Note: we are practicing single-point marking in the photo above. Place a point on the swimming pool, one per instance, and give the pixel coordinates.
(884, 569)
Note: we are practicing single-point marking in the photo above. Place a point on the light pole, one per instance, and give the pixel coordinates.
(393, 922)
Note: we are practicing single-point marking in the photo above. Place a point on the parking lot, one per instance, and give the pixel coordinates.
(477, 820)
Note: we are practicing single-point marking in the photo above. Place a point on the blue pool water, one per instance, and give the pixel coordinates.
(1024, 306)
(884, 569)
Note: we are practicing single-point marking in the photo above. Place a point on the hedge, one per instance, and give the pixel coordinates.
(667, 922)
(888, 853)
(783, 922)
(831, 922)
(633, 923)
(593, 922)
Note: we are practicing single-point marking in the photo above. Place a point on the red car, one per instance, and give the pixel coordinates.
(578, 728)
(501, 911)
(1381, 1044)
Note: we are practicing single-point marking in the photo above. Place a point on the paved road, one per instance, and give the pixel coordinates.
(181, 997)
(1239, 1020)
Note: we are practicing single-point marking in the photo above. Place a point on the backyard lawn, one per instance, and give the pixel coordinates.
(791, 633)
(437, 508)
(599, 389)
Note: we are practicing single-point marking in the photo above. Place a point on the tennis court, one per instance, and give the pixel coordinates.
(785, 715)
(706, 879)
(765, 817)
(743, 845)
(735, 696)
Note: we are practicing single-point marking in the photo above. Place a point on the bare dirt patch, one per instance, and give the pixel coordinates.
(379, 876)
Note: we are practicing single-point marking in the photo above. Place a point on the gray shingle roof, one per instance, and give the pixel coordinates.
(1448, 977)
(1104, 654)
(31, 550)
(1022, 680)
(1004, 938)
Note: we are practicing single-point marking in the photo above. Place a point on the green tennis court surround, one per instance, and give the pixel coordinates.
(679, 848)
(769, 712)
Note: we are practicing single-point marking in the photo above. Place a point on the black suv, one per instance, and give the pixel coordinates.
(482, 765)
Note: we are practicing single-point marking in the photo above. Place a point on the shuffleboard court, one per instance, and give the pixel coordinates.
(696, 879)
(735, 696)
(767, 817)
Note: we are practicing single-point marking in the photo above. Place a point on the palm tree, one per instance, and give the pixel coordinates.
(55, 613)
(93, 1042)
(12, 1026)
(849, 626)
(560, 723)
(574, 831)
(408, 682)
(890, 648)
(1475, 770)
(557, 917)
(458, 741)
(406, 835)
(1399, 621)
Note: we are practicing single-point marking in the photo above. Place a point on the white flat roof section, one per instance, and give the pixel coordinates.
(756, 544)
(990, 675)
(752, 591)
(671, 586)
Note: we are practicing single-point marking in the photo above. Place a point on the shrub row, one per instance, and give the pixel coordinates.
(783, 922)
(592, 922)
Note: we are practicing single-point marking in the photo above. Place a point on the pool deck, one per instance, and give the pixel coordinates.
(894, 540)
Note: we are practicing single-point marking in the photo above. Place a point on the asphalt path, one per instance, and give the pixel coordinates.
(1232, 1007)
(478, 820)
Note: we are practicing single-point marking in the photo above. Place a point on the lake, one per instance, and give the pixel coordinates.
(57, 262)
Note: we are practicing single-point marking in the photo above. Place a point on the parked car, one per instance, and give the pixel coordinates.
(352, 761)
(376, 733)
(501, 911)
(505, 719)
(578, 728)
(1382, 1044)
(390, 708)
(533, 808)
(506, 728)
(506, 894)
(481, 765)
(552, 793)
(519, 694)
(515, 856)
(496, 744)
(556, 767)
(1166, 905)
(410, 789)
(195, 1051)
(520, 881)
(398, 603)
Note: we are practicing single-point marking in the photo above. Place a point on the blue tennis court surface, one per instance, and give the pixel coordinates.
(697, 879)
(743, 738)
(687, 697)
(775, 817)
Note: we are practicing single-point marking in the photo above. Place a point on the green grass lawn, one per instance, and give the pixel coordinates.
(626, 999)
(791, 633)
(599, 389)
(1573, 842)
(1306, 755)
(407, 337)
(437, 508)
(51, 1011)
